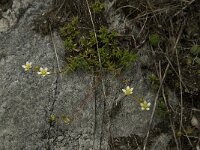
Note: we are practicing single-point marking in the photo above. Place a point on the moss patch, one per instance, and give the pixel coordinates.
(82, 52)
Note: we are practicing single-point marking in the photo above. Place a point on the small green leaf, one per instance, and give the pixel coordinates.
(52, 118)
(197, 60)
(195, 50)
(97, 7)
(83, 41)
(154, 39)
(37, 68)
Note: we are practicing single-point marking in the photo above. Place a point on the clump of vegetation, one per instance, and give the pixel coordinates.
(97, 7)
(161, 109)
(59, 119)
(154, 39)
(195, 51)
(82, 50)
(153, 81)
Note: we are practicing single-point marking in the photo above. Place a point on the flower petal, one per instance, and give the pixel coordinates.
(124, 90)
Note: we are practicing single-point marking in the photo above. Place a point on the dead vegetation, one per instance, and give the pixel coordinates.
(62, 12)
(177, 25)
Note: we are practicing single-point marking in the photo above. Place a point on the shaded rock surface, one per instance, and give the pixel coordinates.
(28, 100)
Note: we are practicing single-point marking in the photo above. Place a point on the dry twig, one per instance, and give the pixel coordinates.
(154, 107)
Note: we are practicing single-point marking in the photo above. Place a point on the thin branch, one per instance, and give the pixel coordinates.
(171, 124)
(181, 92)
(166, 103)
(95, 34)
(187, 137)
(181, 80)
(154, 107)
(195, 109)
(138, 147)
(184, 7)
(141, 30)
(179, 72)
(101, 71)
(55, 50)
(95, 109)
(174, 133)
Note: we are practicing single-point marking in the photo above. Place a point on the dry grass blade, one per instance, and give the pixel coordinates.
(55, 50)
(101, 71)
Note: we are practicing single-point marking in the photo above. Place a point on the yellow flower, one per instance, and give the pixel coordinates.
(27, 66)
(43, 72)
(65, 119)
(53, 117)
(128, 90)
(145, 105)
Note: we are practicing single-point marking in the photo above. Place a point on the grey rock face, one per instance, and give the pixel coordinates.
(11, 16)
(27, 100)
(161, 142)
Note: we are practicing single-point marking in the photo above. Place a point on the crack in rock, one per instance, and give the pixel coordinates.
(11, 16)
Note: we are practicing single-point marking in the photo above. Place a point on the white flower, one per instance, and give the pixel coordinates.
(43, 72)
(128, 90)
(27, 66)
(195, 122)
(145, 105)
